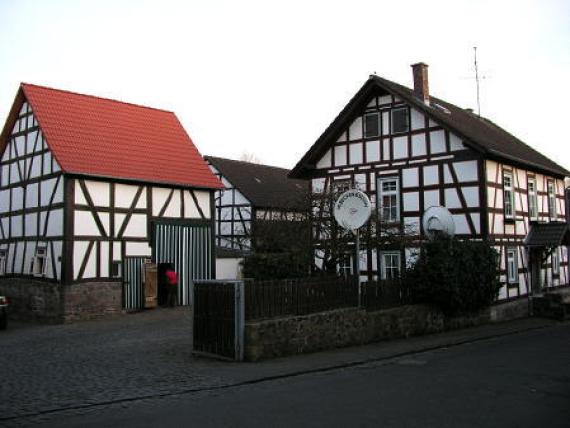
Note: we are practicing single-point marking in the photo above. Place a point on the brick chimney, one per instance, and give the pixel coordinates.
(421, 86)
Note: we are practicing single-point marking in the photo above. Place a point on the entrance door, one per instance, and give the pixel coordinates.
(188, 246)
(535, 271)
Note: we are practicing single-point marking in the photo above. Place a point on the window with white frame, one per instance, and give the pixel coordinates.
(390, 264)
(371, 125)
(512, 266)
(509, 195)
(532, 199)
(2, 262)
(40, 262)
(400, 120)
(555, 258)
(389, 198)
(345, 265)
(551, 200)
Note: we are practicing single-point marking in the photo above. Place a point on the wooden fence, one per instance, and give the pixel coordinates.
(384, 294)
(277, 298)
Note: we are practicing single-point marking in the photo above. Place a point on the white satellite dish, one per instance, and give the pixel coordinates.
(352, 209)
(438, 220)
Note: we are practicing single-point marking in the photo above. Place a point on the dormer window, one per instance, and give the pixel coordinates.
(371, 125)
(400, 120)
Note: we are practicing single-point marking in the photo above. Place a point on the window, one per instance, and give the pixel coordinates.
(551, 200)
(390, 264)
(341, 186)
(532, 199)
(555, 258)
(509, 195)
(39, 263)
(512, 266)
(2, 262)
(389, 197)
(400, 120)
(371, 125)
(345, 265)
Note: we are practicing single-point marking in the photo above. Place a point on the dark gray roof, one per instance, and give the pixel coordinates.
(548, 235)
(479, 133)
(263, 185)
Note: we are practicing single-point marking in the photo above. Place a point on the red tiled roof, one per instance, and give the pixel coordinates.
(106, 138)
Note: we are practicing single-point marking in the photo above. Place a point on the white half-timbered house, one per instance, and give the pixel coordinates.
(90, 189)
(409, 151)
(253, 193)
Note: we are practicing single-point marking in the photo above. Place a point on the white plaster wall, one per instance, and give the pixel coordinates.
(55, 223)
(437, 141)
(373, 151)
(325, 161)
(99, 191)
(410, 177)
(125, 194)
(417, 118)
(137, 226)
(400, 147)
(138, 249)
(466, 171)
(340, 155)
(355, 153)
(430, 175)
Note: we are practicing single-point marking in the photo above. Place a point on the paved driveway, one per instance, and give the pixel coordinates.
(44, 368)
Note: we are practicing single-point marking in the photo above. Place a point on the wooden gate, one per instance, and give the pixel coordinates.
(133, 283)
(188, 246)
(219, 318)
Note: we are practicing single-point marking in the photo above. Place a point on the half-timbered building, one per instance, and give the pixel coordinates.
(91, 189)
(409, 151)
(253, 193)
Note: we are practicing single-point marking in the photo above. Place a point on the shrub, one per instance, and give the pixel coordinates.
(275, 266)
(456, 276)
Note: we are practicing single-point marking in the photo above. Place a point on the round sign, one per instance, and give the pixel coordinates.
(352, 209)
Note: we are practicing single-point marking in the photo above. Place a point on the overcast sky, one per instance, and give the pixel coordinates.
(267, 77)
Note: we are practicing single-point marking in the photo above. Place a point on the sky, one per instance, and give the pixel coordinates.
(267, 77)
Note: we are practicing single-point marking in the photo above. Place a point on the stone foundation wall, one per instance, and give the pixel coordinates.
(348, 327)
(90, 300)
(32, 299)
(51, 302)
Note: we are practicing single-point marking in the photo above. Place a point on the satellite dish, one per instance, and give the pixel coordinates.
(438, 221)
(352, 209)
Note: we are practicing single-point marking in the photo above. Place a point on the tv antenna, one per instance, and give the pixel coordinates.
(477, 81)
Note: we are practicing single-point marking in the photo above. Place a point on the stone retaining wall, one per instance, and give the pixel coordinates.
(353, 326)
(51, 302)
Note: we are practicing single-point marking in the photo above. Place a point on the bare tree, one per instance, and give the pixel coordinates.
(249, 157)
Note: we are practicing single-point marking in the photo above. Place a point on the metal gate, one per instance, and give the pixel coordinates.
(189, 248)
(133, 283)
(219, 320)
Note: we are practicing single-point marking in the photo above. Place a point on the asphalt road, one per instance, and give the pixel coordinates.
(520, 380)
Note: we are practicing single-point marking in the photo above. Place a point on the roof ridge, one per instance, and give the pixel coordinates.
(246, 162)
(24, 84)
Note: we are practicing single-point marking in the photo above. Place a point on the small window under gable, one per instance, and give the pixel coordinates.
(372, 125)
(400, 122)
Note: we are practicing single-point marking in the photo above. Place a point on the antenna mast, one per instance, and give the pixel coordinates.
(477, 80)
